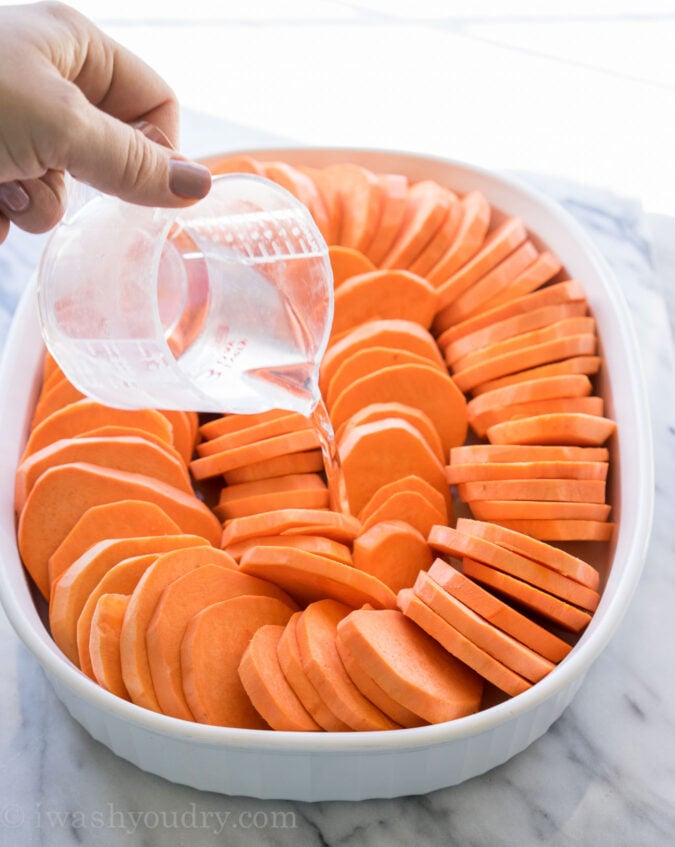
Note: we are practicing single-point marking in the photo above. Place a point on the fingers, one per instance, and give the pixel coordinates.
(117, 159)
(34, 205)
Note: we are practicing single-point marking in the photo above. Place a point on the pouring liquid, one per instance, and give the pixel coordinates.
(323, 427)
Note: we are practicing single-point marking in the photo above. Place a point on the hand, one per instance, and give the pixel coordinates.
(71, 99)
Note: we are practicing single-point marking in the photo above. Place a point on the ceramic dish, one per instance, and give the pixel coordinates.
(337, 766)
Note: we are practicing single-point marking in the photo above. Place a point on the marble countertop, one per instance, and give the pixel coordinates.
(603, 775)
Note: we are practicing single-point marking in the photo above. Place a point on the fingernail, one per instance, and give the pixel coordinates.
(14, 197)
(153, 133)
(188, 179)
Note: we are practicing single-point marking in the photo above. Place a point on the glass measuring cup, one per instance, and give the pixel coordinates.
(225, 306)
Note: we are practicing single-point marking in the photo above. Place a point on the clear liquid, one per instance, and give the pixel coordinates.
(323, 427)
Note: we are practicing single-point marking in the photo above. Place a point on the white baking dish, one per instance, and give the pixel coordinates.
(334, 766)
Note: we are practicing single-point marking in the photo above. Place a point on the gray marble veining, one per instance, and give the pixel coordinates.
(603, 776)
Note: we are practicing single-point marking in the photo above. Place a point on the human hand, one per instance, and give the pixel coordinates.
(72, 99)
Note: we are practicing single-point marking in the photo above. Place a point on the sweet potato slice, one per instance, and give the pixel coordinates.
(308, 577)
(304, 189)
(441, 242)
(184, 430)
(288, 654)
(130, 432)
(489, 370)
(228, 424)
(426, 209)
(561, 292)
(497, 246)
(71, 590)
(400, 334)
(420, 386)
(367, 361)
(527, 453)
(411, 482)
(378, 453)
(178, 603)
(457, 474)
(564, 385)
(556, 428)
(572, 365)
(570, 490)
(377, 695)
(307, 461)
(316, 630)
(552, 557)
(303, 496)
(412, 668)
(568, 405)
(410, 506)
(394, 552)
(290, 482)
(383, 295)
(235, 164)
(62, 495)
(211, 652)
(346, 262)
(450, 541)
(380, 411)
(394, 203)
(541, 271)
(499, 613)
(499, 510)
(486, 288)
(342, 527)
(61, 394)
(482, 633)
(122, 578)
(86, 414)
(119, 519)
(361, 196)
(552, 608)
(332, 202)
(125, 454)
(460, 646)
(469, 239)
(104, 646)
(562, 530)
(316, 544)
(267, 687)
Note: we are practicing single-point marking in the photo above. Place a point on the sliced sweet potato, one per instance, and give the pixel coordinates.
(570, 490)
(290, 482)
(119, 519)
(104, 646)
(457, 474)
(552, 557)
(362, 198)
(564, 385)
(399, 334)
(455, 543)
(562, 530)
(178, 603)
(394, 552)
(122, 578)
(228, 424)
(469, 239)
(307, 461)
(498, 612)
(308, 577)
(375, 454)
(383, 295)
(130, 432)
(499, 510)
(562, 292)
(332, 202)
(426, 209)
(87, 414)
(441, 242)
(211, 652)
(394, 202)
(63, 494)
(410, 506)
(459, 646)
(316, 630)
(552, 608)
(411, 482)
(541, 271)
(481, 423)
(234, 164)
(420, 386)
(527, 453)
(61, 394)
(304, 189)
(571, 365)
(184, 430)
(380, 411)
(481, 293)
(339, 527)
(317, 544)
(573, 428)
(288, 654)
(267, 687)
(71, 590)
(346, 262)
(124, 454)
(412, 668)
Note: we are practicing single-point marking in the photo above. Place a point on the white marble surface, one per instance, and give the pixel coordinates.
(603, 776)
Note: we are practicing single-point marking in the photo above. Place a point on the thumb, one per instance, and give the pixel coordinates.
(117, 159)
